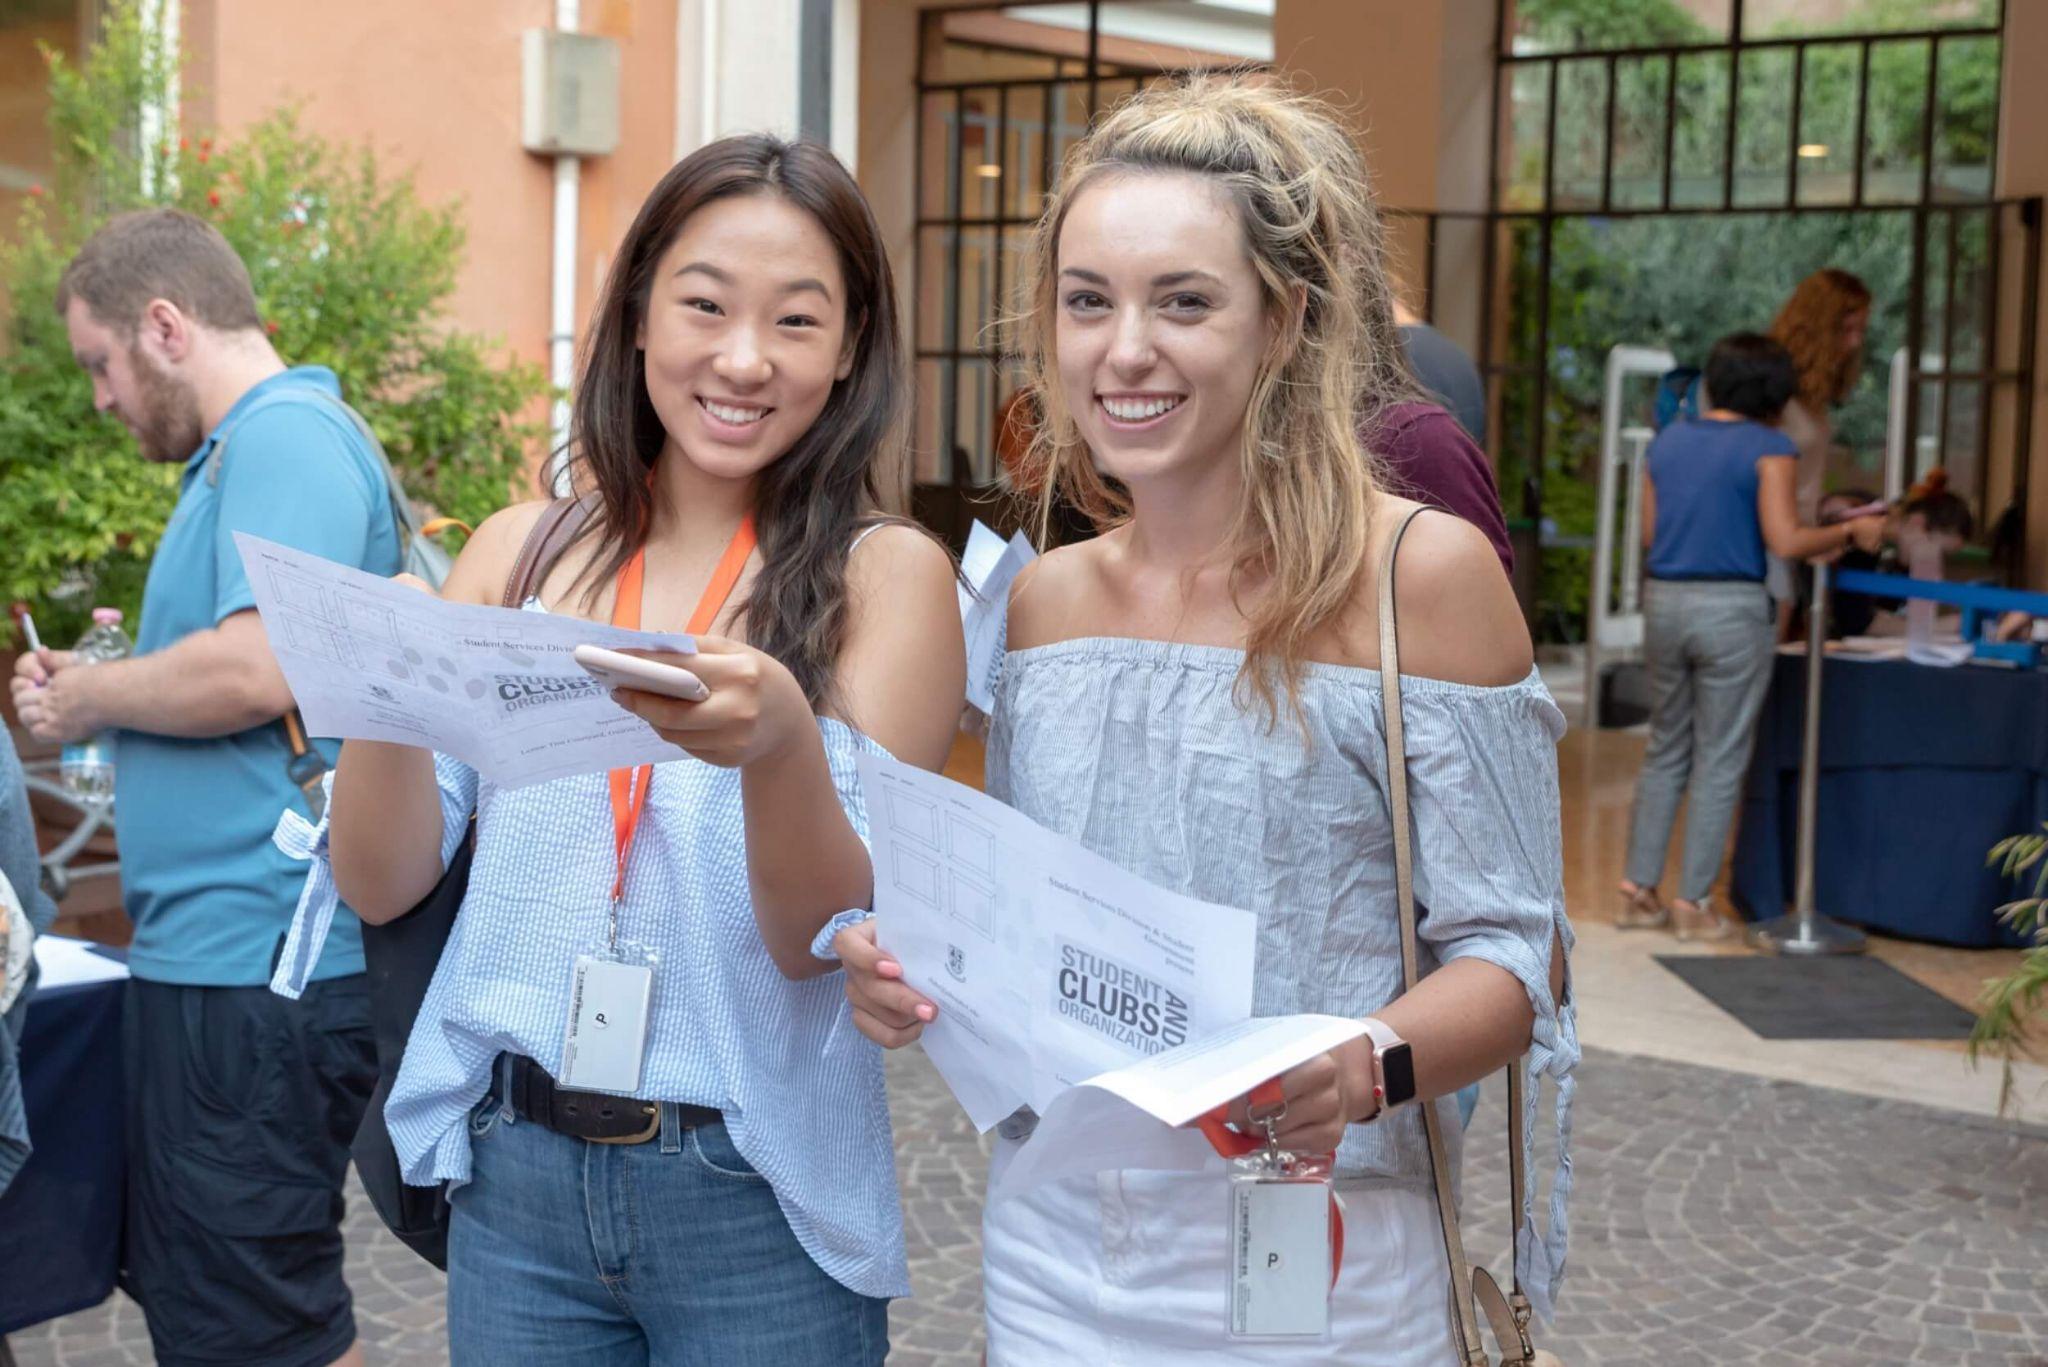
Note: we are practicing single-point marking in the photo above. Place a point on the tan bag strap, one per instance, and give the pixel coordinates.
(1513, 1334)
(551, 534)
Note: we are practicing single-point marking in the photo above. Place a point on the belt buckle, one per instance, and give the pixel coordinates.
(653, 1128)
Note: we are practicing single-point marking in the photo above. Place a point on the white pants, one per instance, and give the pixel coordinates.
(1129, 1269)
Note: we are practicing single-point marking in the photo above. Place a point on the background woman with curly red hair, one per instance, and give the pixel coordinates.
(1823, 324)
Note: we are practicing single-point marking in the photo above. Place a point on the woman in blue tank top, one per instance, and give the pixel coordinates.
(1719, 496)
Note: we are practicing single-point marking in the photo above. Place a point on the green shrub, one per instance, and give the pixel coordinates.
(351, 271)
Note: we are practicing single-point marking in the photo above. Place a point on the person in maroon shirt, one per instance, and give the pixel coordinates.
(1425, 455)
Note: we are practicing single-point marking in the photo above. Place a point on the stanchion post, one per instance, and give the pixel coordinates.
(1805, 931)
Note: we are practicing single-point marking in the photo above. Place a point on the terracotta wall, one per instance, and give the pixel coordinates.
(435, 88)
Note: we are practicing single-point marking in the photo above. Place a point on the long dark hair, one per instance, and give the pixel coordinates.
(814, 499)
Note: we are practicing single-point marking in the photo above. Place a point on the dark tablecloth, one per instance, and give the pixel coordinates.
(1923, 770)
(60, 1220)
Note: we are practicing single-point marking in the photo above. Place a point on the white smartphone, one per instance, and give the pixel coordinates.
(620, 670)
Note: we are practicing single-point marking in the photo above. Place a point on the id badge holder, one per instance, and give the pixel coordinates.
(1281, 1254)
(611, 1002)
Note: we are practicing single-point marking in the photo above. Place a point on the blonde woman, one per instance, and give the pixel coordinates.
(1194, 695)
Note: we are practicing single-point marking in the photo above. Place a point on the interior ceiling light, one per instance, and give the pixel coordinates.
(989, 170)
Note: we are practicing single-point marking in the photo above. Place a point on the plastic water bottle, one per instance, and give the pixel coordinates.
(87, 766)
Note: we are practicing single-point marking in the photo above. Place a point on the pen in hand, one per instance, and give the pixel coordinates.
(28, 630)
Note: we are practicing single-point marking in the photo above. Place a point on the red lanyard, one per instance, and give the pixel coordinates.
(629, 786)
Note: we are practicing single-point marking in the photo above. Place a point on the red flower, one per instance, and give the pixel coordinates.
(35, 192)
(204, 158)
(206, 144)
(213, 198)
(184, 144)
(270, 328)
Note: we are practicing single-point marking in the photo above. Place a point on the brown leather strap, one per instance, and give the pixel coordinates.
(550, 535)
(1470, 1346)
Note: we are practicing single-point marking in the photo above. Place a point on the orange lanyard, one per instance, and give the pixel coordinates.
(629, 786)
(1231, 1144)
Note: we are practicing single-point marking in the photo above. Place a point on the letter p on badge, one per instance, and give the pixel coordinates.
(1279, 1258)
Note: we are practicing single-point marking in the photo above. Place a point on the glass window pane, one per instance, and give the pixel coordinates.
(974, 421)
(1024, 148)
(979, 169)
(1699, 149)
(1968, 348)
(934, 288)
(1013, 418)
(1934, 294)
(1018, 43)
(1070, 121)
(977, 288)
(1582, 27)
(1110, 94)
(1581, 134)
(1014, 303)
(1827, 124)
(928, 451)
(1641, 85)
(1527, 99)
(1800, 18)
(1967, 120)
(937, 183)
(1763, 127)
(1960, 427)
(1894, 122)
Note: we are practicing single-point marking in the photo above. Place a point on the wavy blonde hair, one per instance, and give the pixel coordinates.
(1810, 327)
(1333, 364)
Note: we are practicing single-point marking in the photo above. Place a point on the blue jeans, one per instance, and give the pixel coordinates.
(671, 1253)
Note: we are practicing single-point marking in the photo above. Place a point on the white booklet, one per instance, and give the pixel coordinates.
(1115, 1009)
(370, 659)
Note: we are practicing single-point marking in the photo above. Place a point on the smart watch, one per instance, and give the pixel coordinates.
(1393, 1064)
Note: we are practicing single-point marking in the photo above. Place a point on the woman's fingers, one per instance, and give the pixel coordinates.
(874, 982)
(884, 1034)
(1310, 1117)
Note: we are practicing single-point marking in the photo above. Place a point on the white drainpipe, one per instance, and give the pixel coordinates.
(562, 292)
(159, 122)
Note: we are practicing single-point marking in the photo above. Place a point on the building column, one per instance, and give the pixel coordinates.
(2023, 171)
(787, 67)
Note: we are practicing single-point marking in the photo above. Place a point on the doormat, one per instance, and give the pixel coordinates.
(1847, 997)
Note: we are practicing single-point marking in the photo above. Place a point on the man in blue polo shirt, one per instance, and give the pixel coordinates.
(241, 1103)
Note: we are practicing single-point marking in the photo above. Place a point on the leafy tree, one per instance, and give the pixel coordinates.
(351, 271)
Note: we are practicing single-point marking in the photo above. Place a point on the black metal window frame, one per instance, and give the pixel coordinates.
(959, 488)
(1926, 210)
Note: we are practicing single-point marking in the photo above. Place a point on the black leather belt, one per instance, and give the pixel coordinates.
(596, 1116)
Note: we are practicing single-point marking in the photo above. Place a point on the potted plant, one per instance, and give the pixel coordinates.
(2011, 1003)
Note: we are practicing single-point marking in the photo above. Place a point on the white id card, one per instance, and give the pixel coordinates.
(1279, 1259)
(606, 1038)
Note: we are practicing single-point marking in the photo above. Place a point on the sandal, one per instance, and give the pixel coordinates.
(1699, 921)
(1640, 910)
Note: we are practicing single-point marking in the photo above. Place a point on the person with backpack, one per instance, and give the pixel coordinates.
(240, 1104)
(1718, 501)
(729, 1194)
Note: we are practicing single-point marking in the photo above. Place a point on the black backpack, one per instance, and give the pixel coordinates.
(401, 955)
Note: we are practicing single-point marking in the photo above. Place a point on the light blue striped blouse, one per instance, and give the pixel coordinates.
(1139, 750)
(801, 1089)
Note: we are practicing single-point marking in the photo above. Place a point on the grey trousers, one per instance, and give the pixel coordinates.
(1708, 646)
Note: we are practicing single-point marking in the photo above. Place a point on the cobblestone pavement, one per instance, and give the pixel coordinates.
(1717, 1219)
